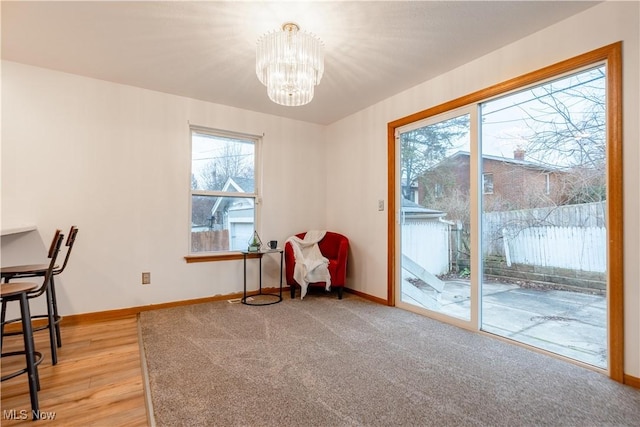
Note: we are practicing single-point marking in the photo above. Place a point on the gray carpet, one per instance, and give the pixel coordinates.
(328, 362)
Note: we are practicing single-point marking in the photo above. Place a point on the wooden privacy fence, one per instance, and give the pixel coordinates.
(577, 248)
(209, 241)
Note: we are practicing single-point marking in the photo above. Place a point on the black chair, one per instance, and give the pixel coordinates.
(35, 270)
(52, 324)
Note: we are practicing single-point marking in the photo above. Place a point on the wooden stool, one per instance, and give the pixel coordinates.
(18, 292)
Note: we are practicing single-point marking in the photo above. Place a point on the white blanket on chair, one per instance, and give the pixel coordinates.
(311, 266)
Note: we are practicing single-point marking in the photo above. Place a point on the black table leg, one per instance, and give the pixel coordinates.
(260, 275)
(281, 259)
(244, 293)
(29, 349)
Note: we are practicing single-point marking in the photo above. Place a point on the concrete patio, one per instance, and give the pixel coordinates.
(568, 323)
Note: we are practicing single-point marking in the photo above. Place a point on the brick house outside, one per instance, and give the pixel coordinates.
(507, 183)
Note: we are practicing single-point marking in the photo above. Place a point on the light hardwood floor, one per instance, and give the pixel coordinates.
(97, 381)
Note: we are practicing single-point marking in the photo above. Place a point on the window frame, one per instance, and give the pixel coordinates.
(438, 190)
(256, 140)
(487, 184)
(547, 183)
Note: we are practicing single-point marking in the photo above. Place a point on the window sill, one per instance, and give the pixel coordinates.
(218, 257)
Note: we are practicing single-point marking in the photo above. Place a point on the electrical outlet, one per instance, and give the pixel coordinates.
(146, 278)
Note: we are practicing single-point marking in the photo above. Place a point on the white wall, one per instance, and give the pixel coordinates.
(363, 136)
(114, 160)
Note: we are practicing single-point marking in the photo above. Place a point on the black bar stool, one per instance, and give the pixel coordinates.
(18, 292)
(48, 271)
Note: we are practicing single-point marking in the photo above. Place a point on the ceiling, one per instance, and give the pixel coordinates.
(206, 50)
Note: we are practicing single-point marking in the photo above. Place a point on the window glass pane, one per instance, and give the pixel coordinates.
(221, 163)
(435, 231)
(221, 167)
(544, 227)
(221, 223)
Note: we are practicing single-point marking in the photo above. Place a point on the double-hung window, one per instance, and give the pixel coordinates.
(224, 190)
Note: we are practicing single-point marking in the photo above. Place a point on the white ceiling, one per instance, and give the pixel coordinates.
(206, 50)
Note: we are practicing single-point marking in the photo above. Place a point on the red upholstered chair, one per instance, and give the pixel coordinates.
(333, 246)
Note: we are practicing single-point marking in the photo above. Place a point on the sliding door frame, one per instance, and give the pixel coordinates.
(612, 56)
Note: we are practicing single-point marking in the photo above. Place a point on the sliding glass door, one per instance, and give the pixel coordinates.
(435, 216)
(501, 215)
(544, 244)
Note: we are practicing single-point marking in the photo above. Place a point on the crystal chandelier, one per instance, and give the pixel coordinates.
(290, 64)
